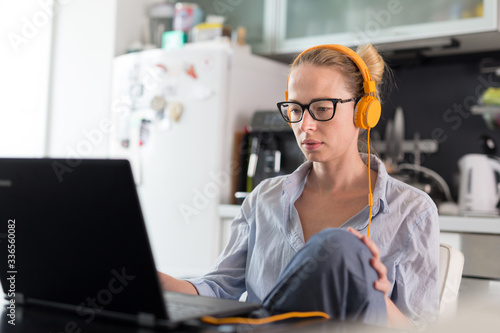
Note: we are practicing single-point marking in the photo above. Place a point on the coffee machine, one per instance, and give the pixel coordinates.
(268, 149)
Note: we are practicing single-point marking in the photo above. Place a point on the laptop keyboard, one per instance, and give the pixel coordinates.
(181, 310)
(182, 307)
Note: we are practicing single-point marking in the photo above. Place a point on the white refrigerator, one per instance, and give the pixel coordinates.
(174, 116)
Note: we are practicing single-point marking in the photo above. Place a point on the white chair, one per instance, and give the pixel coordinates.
(451, 264)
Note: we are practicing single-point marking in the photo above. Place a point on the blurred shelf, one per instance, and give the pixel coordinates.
(408, 146)
(485, 109)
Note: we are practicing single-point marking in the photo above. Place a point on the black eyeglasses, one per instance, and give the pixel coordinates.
(320, 110)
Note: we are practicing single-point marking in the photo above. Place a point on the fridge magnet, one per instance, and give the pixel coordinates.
(162, 67)
(125, 143)
(158, 103)
(123, 132)
(144, 131)
(163, 121)
(190, 71)
(136, 91)
(175, 110)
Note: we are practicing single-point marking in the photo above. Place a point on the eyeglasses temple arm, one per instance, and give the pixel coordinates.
(354, 99)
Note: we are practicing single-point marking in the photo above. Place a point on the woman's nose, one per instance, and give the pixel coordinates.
(307, 123)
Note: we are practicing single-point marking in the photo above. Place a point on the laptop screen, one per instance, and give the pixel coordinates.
(76, 237)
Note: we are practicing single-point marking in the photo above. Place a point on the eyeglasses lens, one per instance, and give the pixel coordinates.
(321, 110)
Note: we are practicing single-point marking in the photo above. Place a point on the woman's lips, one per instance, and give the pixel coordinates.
(311, 144)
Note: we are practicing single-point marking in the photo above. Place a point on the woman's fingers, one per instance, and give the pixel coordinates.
(369, 243)
(382, 284)
(379, 267)
(354, 232)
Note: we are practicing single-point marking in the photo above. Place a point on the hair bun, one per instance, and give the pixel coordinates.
(373, 60)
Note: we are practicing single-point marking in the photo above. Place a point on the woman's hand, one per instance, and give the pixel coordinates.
(395, 318)
(382, 284)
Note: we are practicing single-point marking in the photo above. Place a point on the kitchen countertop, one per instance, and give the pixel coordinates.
(228, 211)
(462, 224)
(469, 224)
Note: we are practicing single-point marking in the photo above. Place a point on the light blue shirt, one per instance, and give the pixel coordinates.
(267, 233)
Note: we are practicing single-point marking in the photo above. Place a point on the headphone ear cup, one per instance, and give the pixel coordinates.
(367, 112)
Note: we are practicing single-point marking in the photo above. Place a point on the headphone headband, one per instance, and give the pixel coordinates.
(368, 84)
(368, 109)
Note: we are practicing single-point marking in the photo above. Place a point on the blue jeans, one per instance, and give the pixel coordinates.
(331, 273)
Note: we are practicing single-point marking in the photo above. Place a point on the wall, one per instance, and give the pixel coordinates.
(83, 49)
(56, 69)
(25, 46)
(87, 36)
(132, 23)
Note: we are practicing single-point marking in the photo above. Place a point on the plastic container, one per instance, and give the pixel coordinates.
(186, 16)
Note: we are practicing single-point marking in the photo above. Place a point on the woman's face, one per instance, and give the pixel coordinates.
(327, 140)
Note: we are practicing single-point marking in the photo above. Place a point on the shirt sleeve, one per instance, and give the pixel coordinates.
(416, 291)
(226, 279)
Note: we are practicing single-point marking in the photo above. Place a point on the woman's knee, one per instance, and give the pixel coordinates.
(333, 241)
(334, 262)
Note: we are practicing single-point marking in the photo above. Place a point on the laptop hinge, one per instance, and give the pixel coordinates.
(146, 319)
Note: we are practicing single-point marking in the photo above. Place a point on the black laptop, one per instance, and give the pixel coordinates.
(72, 236)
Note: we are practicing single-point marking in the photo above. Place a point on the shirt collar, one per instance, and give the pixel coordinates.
(296, 180)
(294, 185)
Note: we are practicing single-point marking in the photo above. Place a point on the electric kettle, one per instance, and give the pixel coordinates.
(479, 179)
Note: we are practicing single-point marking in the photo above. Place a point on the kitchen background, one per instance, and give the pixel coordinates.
(57, 62)
(435, 86)
(67, 61)
(436, 96)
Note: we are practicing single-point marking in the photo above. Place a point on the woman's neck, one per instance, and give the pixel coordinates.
(339, 175)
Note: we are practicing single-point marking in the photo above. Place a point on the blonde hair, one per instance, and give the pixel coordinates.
(379, 71)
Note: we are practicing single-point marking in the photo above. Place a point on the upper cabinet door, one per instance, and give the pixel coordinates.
(257, 16)
(304, 23)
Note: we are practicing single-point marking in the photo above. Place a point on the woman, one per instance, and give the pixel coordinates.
(288, 246)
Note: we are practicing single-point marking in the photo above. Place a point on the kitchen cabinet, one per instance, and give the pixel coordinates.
(479, 240)
(393, 24)
(284, 27)
(256, 16)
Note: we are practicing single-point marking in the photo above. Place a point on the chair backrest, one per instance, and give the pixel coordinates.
(451, 264)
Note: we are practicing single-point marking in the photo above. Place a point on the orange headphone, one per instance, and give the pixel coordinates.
(368, 109)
